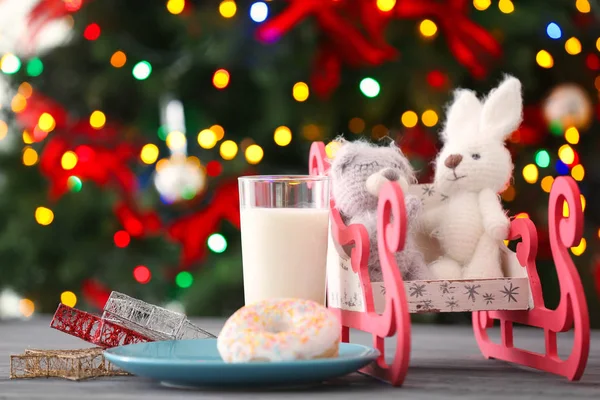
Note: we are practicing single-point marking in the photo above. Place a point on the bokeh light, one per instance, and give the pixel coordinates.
(176, 140)
(300, 91)
(162, 163)
(92, 31)
(561, 167)
(572, 135)
(30, 157)
(142, 274)
(429, 118)
(409, 119)
(227, 8)
(44, 216)
(3, 129)
(311, 132)
(25, 89)
(74, 184)
(386, 5)
(26, 307)
(162, 133)
(184, 279)
(149, 153)
(27, 137)
(214, 168)
(369, 87)
(566, 154)
(592, 61)
(118, 59)
(72, 5)
(331, 148)
(530, 173)
(553, 30)
(18, 103)
(580, 248)
(35, 67)
(217, 243)
(573, 46)
(542, 158)
(10, 64)
(282, 136)
(68, 298)
(509, 194)
(142, 70)
(583, 6)
(85, 153)
(506, 6)
(207, 139)
(356, 125)
(428, 28)
(221, 78)
(259, 11)
(193, 160)
(254, 154)
(482, 5)
(546, 183)
(175, 6)
(228, 150)
(544, 59)
(578, 172)
(68, 160)
(379, 131)
(97, 119)
(218, 130)
(46, 122)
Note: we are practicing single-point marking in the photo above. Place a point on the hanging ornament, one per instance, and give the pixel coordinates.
(568, 105)
(177, 178)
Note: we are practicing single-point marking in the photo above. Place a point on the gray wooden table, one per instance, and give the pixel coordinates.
(445, 363)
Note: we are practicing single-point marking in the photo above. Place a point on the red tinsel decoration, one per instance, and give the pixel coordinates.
(469, 43)
(192, 231)
(343, 23)
(44, 12)
(354, 34)
(103, 158)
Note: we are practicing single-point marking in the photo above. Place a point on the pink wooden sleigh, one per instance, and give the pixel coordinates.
(386, 312)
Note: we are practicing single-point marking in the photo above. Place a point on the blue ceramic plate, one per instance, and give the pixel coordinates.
(197, 363)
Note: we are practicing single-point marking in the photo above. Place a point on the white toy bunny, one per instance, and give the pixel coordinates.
(471, 169)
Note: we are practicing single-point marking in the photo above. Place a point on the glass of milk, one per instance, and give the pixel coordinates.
(285, 226)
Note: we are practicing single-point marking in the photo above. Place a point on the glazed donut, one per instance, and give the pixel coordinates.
(279, 330)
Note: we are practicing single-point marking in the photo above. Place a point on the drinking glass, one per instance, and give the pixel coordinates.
(284, 228)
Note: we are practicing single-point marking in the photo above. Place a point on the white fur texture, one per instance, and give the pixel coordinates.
(471, 169)
(357, 173)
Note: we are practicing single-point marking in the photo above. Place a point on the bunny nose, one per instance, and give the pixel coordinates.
(390, 174)
(453, 160)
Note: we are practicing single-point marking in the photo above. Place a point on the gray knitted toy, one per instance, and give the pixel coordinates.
(357, 173)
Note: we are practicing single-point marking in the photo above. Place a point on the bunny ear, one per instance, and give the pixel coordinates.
(503, 110)
(463, 110)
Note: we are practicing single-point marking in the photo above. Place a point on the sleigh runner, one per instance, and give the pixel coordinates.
(383, 308)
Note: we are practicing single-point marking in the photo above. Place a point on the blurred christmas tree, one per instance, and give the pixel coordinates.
(134, 130)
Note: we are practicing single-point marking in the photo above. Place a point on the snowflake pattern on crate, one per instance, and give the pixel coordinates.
(468, 295)
(344, 291)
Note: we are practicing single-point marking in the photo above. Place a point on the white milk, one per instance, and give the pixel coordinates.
(284, 252)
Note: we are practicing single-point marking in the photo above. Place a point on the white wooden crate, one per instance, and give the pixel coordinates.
(511, 292)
